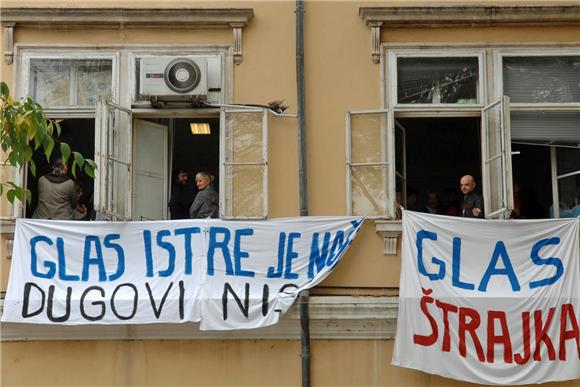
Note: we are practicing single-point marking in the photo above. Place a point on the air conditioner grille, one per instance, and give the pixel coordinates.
(182, 75)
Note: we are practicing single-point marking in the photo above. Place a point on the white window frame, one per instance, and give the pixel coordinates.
(67, 54)
(105, 200)
(501, 53)
(396, 110)
(23, 55)
(564, 107)
(388, 144)
(123, 90)
(504, 155)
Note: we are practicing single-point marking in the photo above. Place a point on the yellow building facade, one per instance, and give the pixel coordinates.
(360, 61)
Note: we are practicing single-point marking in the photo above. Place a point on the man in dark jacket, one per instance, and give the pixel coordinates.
(57, 194)
(472, 205)
(181, 196)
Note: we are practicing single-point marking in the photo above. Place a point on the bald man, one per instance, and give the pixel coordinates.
(472, 206)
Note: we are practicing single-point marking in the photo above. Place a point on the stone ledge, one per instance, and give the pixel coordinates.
(117, 18)
(471, 16)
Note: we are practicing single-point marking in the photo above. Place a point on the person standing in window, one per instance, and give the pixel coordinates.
(181, 195)
(472, 206)
(205, 204)
(57, 194)
(432, 206)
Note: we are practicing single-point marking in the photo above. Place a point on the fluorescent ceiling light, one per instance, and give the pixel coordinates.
(199, 128)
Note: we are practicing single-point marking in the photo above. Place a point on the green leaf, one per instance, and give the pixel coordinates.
(32, 167)
(4, 89)
(10, 195)
(13, 158)
(90, 170)
(91, 163)
(74, 168)
(27, 153)
(64, 151)
(80, 160)
(58, 128)
(49, 146)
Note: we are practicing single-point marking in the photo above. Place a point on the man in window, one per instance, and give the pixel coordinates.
(57, 194)
(181, 195)
(472, 206)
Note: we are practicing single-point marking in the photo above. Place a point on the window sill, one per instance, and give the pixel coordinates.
(390, 231)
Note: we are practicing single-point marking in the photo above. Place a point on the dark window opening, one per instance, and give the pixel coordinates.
(532, 181)
(438, 152)
(187, 151)
(79, 134)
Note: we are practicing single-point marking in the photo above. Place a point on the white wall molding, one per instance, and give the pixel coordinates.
(564, 14)
(331, 317)
(124, 18)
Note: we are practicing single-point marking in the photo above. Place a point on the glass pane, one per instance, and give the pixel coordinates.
(568, 160)
(50, 82)
(495, 185)
(244, 191)
(243, 131)
(369, 191)
(367, 142)
(93, 81)
(149, 206)
(557, 127)
(437, 80)
(542, 79)
(149, 165)
(70, 82)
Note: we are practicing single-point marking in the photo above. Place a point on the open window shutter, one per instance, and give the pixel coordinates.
(370, 170)
(113, 157)
(496, 159)
(244, 164)
(149, 171)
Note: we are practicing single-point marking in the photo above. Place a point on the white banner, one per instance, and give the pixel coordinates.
(490, 301)
(223, 274)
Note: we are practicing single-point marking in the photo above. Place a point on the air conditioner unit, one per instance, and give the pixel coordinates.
(174, 78)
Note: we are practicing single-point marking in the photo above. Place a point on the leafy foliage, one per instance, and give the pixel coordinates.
(25, 129)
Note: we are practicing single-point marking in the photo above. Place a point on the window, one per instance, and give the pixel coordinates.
(244, 164)
(68, 85)
(138, 155)
(432, 132)
(424, 80)
(69, 80)
(537, 79)
(544, 88)
(440, 122)
(137, 148)
(367, 164)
